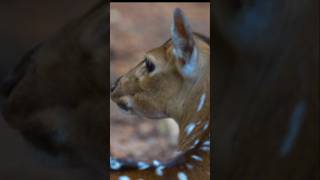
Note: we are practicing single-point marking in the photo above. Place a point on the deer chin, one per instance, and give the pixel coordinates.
(149, 113)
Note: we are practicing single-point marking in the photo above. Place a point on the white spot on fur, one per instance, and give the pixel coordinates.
(159, 170)
(182, 176)
(189, 128)
(197, 158)
(124, 178)
(205, 148)
(196, 142)
(156, 163)
(201, 102)
(205, 127)
(114, 164)
(143, 165)
(206, 143)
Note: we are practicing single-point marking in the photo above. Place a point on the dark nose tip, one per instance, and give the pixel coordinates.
(115, 84)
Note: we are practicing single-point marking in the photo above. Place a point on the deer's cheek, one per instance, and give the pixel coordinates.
(140, 103)
(147, 107)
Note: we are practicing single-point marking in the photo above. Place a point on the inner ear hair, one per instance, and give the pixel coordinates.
(184, 48)
(182, 37)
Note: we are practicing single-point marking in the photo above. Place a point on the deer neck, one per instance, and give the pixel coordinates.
(193, 113)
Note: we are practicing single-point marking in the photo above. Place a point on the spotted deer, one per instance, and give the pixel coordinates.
(173, 81)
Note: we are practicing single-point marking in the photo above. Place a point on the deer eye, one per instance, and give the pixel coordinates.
(149, 65)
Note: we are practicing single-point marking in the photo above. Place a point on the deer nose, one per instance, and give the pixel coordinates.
(115, 84)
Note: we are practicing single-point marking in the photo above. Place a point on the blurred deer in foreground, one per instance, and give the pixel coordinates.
(55, 96)
(266, 89)
(173, 80)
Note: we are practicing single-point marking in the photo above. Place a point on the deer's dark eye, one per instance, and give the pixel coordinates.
(149, 65)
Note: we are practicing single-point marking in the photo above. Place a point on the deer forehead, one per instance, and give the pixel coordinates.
(160, 58)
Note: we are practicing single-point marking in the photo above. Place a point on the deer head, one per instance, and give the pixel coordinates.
(161, 84)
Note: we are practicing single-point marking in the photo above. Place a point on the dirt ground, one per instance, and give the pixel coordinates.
(135, 29)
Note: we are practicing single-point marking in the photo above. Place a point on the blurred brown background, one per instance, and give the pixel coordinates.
(134, 29)
(23, 25)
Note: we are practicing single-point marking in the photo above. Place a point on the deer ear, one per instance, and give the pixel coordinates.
(184, 49)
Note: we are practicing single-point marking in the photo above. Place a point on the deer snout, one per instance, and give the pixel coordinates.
(114, 85)
(115, 90)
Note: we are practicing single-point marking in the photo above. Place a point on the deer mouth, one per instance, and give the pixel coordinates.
(124, 103)
(124, 106)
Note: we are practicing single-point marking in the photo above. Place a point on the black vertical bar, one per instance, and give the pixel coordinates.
(108, 90)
